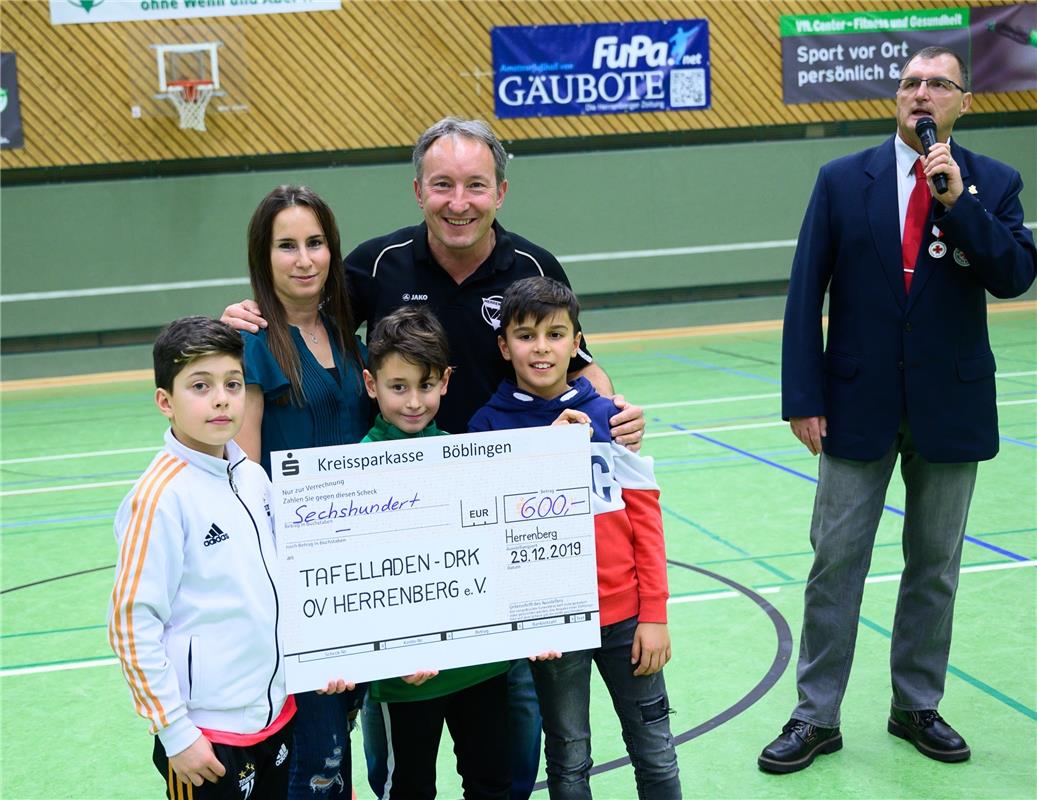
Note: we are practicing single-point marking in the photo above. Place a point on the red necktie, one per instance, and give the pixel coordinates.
(914, 223)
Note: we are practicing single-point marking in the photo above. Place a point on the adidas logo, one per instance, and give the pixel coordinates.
(282, 754)
(215, 536)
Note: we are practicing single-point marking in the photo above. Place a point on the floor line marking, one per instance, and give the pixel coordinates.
(696, 598)
(107, 291)
(73, 488)
(984, 687)
(981, 568)
(42, 668)
(679, 600)
(713, 400)
(676, 600)
(721, 540)
(899, 512)
(575, 258)
(68, 456)
(617, 337)
(688, 431)
(53, 631)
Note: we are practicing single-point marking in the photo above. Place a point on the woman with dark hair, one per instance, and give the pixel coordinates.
(304, 388)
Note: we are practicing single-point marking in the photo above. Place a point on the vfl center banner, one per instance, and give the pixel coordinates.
(605, 68)
(857, 56)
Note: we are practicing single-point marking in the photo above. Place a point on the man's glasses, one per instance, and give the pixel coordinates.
(936, 85)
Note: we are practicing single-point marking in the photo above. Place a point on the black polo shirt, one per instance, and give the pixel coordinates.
(399, 269)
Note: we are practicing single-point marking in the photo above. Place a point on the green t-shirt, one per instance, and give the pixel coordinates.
(448, 681)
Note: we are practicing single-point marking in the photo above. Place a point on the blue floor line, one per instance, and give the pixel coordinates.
(1020, 442)
(986, 688)
(61, 480)
(721, 540)
(52, 632)
(694, 362)
(899, 512)
(32, 523)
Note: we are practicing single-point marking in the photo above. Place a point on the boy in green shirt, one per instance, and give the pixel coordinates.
(407, 375)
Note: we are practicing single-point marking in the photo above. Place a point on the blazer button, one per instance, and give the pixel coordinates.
(907, 327)
(900, 365)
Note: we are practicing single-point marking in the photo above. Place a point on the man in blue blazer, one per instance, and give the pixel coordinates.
(906, 371)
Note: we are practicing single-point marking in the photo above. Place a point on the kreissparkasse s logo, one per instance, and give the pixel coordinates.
(86, 5)
(290, 466)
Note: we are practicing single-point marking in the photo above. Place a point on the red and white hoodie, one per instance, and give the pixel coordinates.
(628, 528)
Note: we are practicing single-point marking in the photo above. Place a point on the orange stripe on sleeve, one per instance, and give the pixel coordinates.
(116, 633)
(145, 502)
(162, 722)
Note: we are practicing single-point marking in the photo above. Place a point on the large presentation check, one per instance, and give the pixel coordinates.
(435, 552)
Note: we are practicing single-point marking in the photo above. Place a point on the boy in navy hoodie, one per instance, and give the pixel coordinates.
(538, 322)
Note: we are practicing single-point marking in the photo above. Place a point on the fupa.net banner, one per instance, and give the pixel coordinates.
(601, 68)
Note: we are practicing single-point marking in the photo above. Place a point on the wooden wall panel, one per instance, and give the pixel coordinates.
(374, 74)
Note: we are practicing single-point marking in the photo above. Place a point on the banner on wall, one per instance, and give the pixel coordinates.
(857, 55)
(601, 68)
(78, 12)
(10, 110)
(1004, 48)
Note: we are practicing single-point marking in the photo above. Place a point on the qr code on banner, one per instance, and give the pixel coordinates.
(687, 88)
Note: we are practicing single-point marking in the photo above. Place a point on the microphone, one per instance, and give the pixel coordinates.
(925, 129)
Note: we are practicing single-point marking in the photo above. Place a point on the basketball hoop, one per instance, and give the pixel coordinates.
(190, 98)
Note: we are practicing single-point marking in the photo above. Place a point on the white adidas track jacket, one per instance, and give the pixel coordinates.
(194, 611)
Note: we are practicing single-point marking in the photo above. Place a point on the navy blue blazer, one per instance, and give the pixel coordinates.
(888, 353)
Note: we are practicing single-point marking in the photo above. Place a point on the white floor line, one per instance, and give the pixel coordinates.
(717, 429)
(979, 568)
(647, 407)
(696, 598)
(996, 567)
(724, 595)
(72, 488)
(10, 673)
(1014, 374)
(575, 258)
(711, 401)
(69, 456)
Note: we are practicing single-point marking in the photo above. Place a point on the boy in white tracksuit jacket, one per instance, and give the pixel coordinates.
(194, 609)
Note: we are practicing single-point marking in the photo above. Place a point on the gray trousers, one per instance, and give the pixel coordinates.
(849, 501)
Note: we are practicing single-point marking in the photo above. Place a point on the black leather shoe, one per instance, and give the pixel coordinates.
(930, 735)
(797, 747)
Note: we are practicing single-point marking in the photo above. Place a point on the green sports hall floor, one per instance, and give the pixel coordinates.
(737, 491)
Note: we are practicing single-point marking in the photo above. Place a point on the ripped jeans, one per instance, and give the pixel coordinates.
(563, 686)
(321, 766)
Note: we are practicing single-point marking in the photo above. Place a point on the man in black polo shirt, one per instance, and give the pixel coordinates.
(459, 261)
